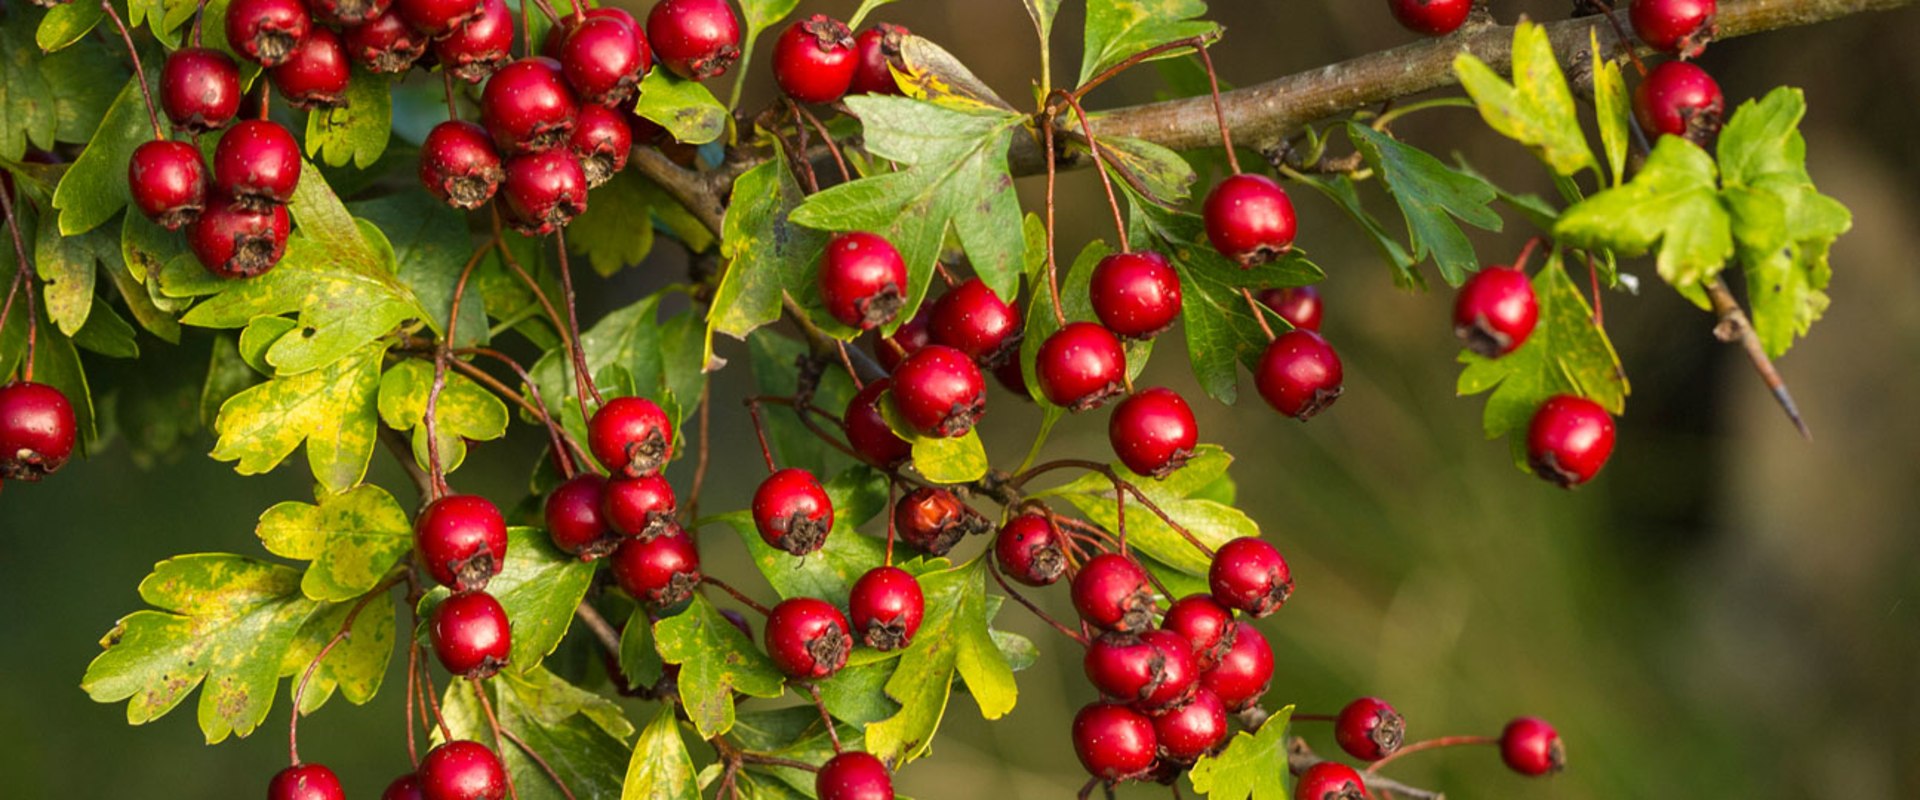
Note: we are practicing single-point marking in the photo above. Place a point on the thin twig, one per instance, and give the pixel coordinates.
(1735, 327)
(737, 594)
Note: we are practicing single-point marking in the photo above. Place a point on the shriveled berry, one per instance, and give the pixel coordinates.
(347, 13)
(462, 770)
(437, 18)
(1029, 549)
(1300, 306)
(471, 635)
(1299, 374)
(459, 165)
(1205, 624)
(875, 49)
(480, 46)
(305, 782)
(1431, 17)
(1330, 780)
(603, 59)
(792, 512)
(1679, 98)
(1192, 730)
(1676, 27)
(543, 191)
(910, 336)
(601, 141)
(461, 540)
(660, 572)
(1081, 366)
(933, 520)
(974, 320)
(1135, 295)
(697, 39)
(1249, 218)
(1570, 439)
(199, 89)
(1495, 311)
(1242, 674)
(266, 31)
(853, 775)
(574, 519)
(1369, 729)
(886, 605)
(1114, 742)
(315, 74)
(867, 431)
(257, 163)
(235, 242)
(1112, 593)
(1531, 747)
(639, 507)
(808, 638)
(168, 182)
(939, 391)
(1153, 432)
(386, 44)
(1249, 575)
(36, 430)
(631, 436)
(814, 59)
(1154, 671)
(862, 279)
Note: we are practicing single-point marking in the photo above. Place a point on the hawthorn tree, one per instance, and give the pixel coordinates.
(861, 247)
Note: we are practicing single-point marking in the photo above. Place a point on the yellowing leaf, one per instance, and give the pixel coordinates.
(330, 408)
(465, 411)
(353, 540)
(1537, 108)
(1252, 767)
(660, 768)
(715, 660)
(1117, 29)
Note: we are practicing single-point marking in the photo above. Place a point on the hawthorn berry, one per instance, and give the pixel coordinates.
(437, 18)
(1153, 432)
(867, 431)
(807, 638)
(1013, 379)
(1112, 593)
(1676, 27)
(266, 31)
(630, 436)
(199, 89)
(886, 605)
(458, 164)
(462, 769)
(1081, 366)
(1569, 440)
(405, 787)
(1369, 729)
(1330, 780)
(1114, 742)
(37, 430)
(348, 13)
(863, 280)
(1531, 747)
(1192, 730)
(853, 775)
(462, 541)
(386, 44)
(478, 47)
(601, 141)
(1242, 674)
(939, 391)
(235, 242)
(1431, 17)
(1299, 374)
(305, 782)
(792, 512)
(543, 191)
(315, 74)
(1249, 219)
(972, 319)
(1678, 98)
(557, 35)
(1205, 624)
(1135, 295)
(257, 163)
(660, 572)
(1029, 549)
(527, 106)
(1154, 671)
(1300, 306)
(933, 520)
(574, 519)
(1249, 575)
(875, 49)
(1495, 311)
(909, 337)
(168, 182)
(471, 635)
(696, 39)
(814, 60)
(639, 507)
(603, 59)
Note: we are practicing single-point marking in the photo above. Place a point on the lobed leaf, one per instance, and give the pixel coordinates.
(1252, 767)
(331, 409)
(356, 132)
(1673, 203)
(661, 767)
(465, 411)
(354, 539)
(766, 253)
(1431, 196)
(1209, 520)
(685, 108)
(953, 639)
(1537, 108)
(1117, 29)
(715, 660)
(355, 667)
(579, 733)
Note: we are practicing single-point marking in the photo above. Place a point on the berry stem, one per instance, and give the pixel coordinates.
(760, 430)
(994, 569)
(737, 594)
(825, 138)
(1431, 744)
(893, 496)
(432, 698)
(847, 361)
(582, 376)
(1253, 305)
(1053, 269)
(513, 265)
(704, 453)
(139, 71)
(1593, 277)
(412, 697)
(1120, 483)
(22, 277)
(499, 736)
(453, 112)
(346, 628)
(1136, 59)
(565, 449)
(833, 731)
(1220, 116)
(1526, 253)
(799, 157)
(430, 418)
(552, 775)
(1300, 757)
(1099, 163)
(199, 14)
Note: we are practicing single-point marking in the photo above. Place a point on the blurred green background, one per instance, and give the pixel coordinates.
(1726, 612)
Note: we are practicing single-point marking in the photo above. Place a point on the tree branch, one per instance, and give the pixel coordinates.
(1734, 327)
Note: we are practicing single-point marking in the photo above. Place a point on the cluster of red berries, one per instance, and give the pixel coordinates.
(818, 60)
(1678, 98)
(37, 430)
(461, 769)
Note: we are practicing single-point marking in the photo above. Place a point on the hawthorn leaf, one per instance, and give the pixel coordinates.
(1341, 191)
(1537, 108)
(858, 495)
(52, 97)
(164, 18)
(140, 298)
(66, 265)
(661, 767)
(715, 660)
(795, 734)
(928, 72)
(1155, 172)
(330, 408)
(1431, 197)
(939, 459)
(1211, 521)
(354, 539)
(581, 735)
(639, 662)
(631, 348)
(227, 375)
(858, 693)
(1117, 29)
(1611, 107)
(684, 107)
(107, 334)
(1673, 203)
(860, 14)
(95, 187)
(614, 232)
(465, 411)
(766, 253)
(67, 23)
(1043, 13)
(953, 639)
(354, 133)
(539, 586)
(430, 248)
(356, 666)
(1252, 767)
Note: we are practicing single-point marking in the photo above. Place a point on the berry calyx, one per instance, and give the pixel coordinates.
(257, 163)
(459, 166)
(437, 18)
(1153, 432)
(939, 391)
(792, 512)
(1154, 671)
(808, 638)
(1495, 311)
(478, 47)
(1205, 624)
(462, 770)
(1249, 575)
(36, 430)
(972, 319)
(875, 49)
(1531, 747)
(867, 431)
(639, 507)
(461, 540)
(305, 782)
(863, 280)
(886, 605)
(1114, 742)
(1676, 27)
(471, 635)
(388, 45)
(574, 519)
(1112, 593)
(315, 74)
(1242, 674)
(909, 337)
(1192, 730)
(1300, 306)
(1679, 98)
(236, 242)
(1135, 295)
(1029, 549)
(814, 60)
(1431, 17)
(348, 13)
(1249, 218)
(1369, 729)
(1330, 780)
(266, 31)
(543, 192)
(1569, 440)
(853, 775)
(199, 89)
(696, 39)
(1081, 366)
(1299, 374)
(603, 59)
(933, 520)
(601, 142)
(660, 572)
(630, 436)
(405, 787)
(527, 106)
(168, 182)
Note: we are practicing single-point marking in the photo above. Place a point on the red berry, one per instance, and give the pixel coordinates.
(478, 47)
(853, 775)
(934, 520)
(1298, 305)
(168, 182)
(462, 770)
(1680, 99)
(557, 35)
(315, 74)
(574, 521)
(1114, 742)
(972, 319)
(1112, 593)
(910, 336)
(1012, 379)
(631, 436)
(1135, 295)
(1029, 549)
(471, 635)
(527, 106)
(438, 18)
(1369, 729)
(266, 31)
(461, 540)
(1299, 374)
(660, 572)
(544, 191)
(1249, 218)
(405, 787)
(792, 512)
(1153, 432)
(867, 431)
(1205, 624)
(1330, 780)
(1242, 674)
(876, 48)
(1569, 440)
(886, 605)
(199, 89)
(1431, 17)
(257, 163)
(862, 280)
(387, 44)
(36, 430)
(939, 391)
(1192, 730)
(601, 142)
(697, 39)
(1154, 671)
(603, 58)
(814, 60)
(347, 13)
(1250, 575)
(305, 782)
(1081, 366)
(807, 638)
(1531, 747)
(639, 507)
(459, 165)
(1676, 27)
(235, 242)
(1495, 311)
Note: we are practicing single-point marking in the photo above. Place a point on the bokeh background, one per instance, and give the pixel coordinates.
(1728, 611)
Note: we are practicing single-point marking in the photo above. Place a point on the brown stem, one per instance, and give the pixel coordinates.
(1053, 264)
(403, 453)
(565, 449)
(737, 594)
(413, 678)
(1253, 305)
(22, 277)
(994, 569)
(602, 630)
(1735, 327)
(1093, 147)
(346, 628)
(826, 139)
(1120, 483)
(499, 737)
(431, 696)
(1134, 60)
(704, 453)
(833, 731)
(552, 775)
(760, 431)
(1220, 118)
(1300, 757)
(582, 376)
(139, 72)
(1431, 744)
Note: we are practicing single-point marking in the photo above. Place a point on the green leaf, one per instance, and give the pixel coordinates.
(227, 375)
(223, 619)
(633, 350)
(107, 334)
(860, 14)
(353, 539)
(1537, 109)
(949, 460)
(796, 734)
(1117, 29)
(614, 231)
(67, 23)
(685, 108)
(1341, 191)
(95, 187)
(1673, 203)
(766, 253)
(953, 639)
(1042, 12)
(1157, 172)
(164, 18)
(1431, 196)
(431, 246)
(1210, 521)
(355, 133)
(356, 666)
(1611, 105)
(66, 265)
(774, 360)
(661, 768)
(858, 692)
(539, 586)
(639, 662)
(858, 494)
(465, 411)
(1252, 767)
(331, 409)
(580, 734)
(762, 14)
(715, 660)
